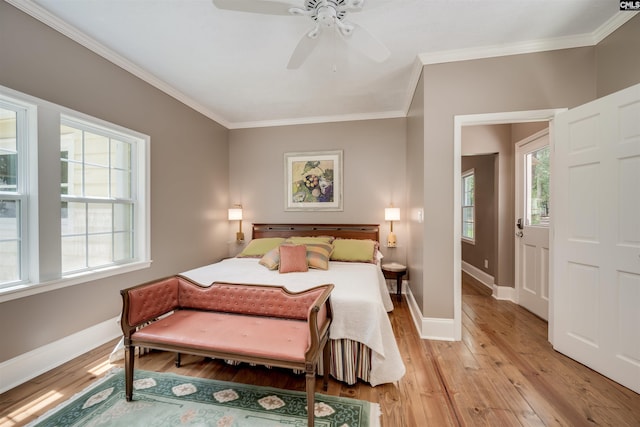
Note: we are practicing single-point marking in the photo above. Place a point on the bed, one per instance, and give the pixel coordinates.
(362, 342)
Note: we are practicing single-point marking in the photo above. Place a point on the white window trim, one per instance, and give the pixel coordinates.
(41, 281)
(27, 125)
(462, 177)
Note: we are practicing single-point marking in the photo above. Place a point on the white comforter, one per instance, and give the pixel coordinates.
(360, 301)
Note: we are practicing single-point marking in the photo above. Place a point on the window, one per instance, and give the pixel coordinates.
(13, 194)
(97, 201)
(97, 227)
(468, 206)
(537, 191)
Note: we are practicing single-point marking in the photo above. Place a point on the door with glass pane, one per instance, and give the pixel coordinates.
(532, 223)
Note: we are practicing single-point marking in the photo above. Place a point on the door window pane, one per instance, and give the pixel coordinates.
(537, 200)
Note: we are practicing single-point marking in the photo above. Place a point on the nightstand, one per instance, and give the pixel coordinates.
(395, 271)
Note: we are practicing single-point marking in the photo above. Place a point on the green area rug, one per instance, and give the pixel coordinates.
(164, 399)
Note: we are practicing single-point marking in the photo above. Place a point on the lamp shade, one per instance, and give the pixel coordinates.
(235, 214)
(392, 214)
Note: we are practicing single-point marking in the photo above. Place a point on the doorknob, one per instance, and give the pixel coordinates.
(519, 234)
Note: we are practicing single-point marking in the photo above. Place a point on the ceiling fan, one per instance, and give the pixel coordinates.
(325, 15)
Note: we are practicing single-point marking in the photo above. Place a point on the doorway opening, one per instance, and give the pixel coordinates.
(504, 270)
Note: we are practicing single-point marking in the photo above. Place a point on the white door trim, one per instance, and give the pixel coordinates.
(475, 120)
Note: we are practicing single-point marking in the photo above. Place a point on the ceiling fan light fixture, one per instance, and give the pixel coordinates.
(327, 16)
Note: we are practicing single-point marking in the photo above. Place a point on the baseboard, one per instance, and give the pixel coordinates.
(504, 293)
(29, 365)
(429, 327)
(498, 292)
(482, 277)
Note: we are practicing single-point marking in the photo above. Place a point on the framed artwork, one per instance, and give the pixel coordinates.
(313, 181)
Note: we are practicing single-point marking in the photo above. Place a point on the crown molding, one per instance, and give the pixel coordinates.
(506, 49)
(414, 78)
(393, 114)
(47, 18)
(616, 21)
(534, 46)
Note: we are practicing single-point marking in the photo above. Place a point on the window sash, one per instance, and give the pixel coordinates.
(41, 215)
(14, 139)
(468, 206)
(96, 168)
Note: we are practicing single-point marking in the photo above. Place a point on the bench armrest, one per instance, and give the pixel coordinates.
(145, 302)
(319, 320)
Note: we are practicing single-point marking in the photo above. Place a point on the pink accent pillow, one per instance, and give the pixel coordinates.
(293, 258)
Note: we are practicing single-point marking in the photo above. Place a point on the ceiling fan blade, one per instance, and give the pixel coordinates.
(366, 43)
(266, 7)
(305, 46)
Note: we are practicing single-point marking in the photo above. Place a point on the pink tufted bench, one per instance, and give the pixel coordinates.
(258, 324)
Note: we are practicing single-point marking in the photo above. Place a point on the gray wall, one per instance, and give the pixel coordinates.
(618, 59)
(415, 190)
(485, 245)
(189, 174)
(556, 79)
(520, 82)
(374, 159)
(497, 139)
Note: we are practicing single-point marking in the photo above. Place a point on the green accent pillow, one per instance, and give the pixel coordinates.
(303, 240)
(354, 250)
(259, 247)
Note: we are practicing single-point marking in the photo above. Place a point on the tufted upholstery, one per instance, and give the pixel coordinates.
(149, 302)
(255, 300)
(251, 323)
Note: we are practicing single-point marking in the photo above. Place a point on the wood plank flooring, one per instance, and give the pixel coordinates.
(503, 373)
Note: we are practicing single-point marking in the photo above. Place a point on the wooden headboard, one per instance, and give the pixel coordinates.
(345, 231)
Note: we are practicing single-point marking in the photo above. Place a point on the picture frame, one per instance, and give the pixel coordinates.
(313, 181)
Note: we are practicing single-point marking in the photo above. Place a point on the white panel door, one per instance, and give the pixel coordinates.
(532, 227)
(596, 236)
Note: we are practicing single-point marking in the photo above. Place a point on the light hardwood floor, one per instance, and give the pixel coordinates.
(503, 373)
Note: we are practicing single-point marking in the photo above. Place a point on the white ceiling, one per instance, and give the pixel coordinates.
(231, 66)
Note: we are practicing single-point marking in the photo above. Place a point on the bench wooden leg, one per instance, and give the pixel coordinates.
(129, 360)
(311, 390)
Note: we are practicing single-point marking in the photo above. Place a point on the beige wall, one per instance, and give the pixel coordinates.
(189, 174)
(557, 79)
(374, 158)
(497, 139)
(415, 190)
(618, 59)
(485, 245)
(521, 82)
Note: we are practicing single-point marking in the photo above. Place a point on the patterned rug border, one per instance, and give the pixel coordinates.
(325, 401)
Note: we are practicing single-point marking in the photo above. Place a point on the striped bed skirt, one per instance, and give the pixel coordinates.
(350, 360)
